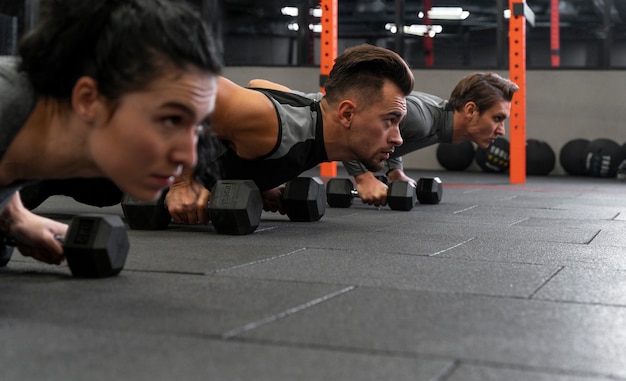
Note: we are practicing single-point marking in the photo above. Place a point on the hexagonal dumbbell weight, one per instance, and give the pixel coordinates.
(5, 252)
(304, 199)
(96, 246)
(340, 193)
(429, 190)
(235, 207)
(146, 215)
(401, 196)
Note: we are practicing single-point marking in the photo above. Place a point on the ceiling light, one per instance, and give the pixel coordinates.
(316, 28)
(289, 11)
(293, 11)
(445, 13)
(415, 29)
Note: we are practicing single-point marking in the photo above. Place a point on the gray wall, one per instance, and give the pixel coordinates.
(561, 105)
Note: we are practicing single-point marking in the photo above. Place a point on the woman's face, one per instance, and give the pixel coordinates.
(152, 133)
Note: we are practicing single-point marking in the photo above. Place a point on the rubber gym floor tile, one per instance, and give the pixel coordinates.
(199, 253)
(371, 241)
(507, 332)
(156, 303)
(567, 234)
(517, 213)
(63, 352)
(522, 250)
(595, 286)
(486, 373)
(513, 198)
(385, 270)
(548, 223)
(611, 237)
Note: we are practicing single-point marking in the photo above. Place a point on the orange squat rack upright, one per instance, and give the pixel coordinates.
(520, 14)
(328, 53)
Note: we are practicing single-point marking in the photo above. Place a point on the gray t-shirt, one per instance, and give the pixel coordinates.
(17, 101)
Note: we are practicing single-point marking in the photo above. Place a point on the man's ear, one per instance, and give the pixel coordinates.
(346, 112)
(470, 109)
(85, 98)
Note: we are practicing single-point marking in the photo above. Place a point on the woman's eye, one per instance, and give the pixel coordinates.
(172, 120)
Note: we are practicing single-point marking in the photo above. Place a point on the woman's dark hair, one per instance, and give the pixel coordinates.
(122, 44)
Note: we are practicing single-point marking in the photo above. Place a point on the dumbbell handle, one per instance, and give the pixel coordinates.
(354, 193)
(11, 241)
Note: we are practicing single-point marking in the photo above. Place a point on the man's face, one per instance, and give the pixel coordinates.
(485, 127)
(375, 127)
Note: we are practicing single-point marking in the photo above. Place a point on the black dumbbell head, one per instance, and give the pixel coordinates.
(304, 199)
(141, 215)
(339, 193)
(96, 246)
(6, 251)
(235, 207)
(429, 190)
(401, 195)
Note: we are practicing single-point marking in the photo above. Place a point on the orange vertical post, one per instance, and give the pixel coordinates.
(517, 69)
(555, 34)
(429, 42)
(328, 53)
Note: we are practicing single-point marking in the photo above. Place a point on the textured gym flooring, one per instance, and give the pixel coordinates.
(497, 282)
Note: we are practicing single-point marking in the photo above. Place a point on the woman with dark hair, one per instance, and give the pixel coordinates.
(115, 89)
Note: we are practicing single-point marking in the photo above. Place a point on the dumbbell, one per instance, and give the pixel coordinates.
(401, 195)
(235, 208)
(146, 215)
(429, 190)
(95, 246)
(304, 199)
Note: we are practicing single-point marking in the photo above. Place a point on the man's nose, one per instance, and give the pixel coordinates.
(500, 130)
(395, 137)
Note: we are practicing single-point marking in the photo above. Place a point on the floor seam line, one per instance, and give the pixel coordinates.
(284, 314)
